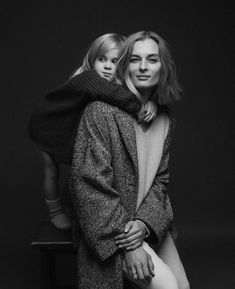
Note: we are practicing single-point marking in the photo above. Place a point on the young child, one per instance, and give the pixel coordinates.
(53, 125)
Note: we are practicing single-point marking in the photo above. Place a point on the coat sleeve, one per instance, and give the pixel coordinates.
(97, 204)
(155, 210)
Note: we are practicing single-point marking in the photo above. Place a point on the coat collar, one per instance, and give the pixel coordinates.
(127, 130)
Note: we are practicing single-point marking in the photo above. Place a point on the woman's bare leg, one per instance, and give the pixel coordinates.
(163, 279)
(169, 254)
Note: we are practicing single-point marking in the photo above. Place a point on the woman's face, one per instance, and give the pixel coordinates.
(145, 65)
(105, 65)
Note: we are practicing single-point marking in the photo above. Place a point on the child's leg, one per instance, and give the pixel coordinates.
(169, 254)
(51, 177)
(163, 279)
(51, 189)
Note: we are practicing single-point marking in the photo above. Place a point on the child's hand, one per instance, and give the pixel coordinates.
(150, 111)
(133, 236)
(141, 114)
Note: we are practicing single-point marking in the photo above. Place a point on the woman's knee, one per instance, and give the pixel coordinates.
(185, 285)
(164, 280)
(164, 277)
(172, 284)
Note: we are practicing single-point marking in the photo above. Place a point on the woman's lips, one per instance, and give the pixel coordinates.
(143, 77)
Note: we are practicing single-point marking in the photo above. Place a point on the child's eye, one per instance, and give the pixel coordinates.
(114, 61)
(101, 59)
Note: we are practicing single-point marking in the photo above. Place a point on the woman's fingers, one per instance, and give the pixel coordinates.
(139, 272)
(125, 242)
(146, 272)
(134, 246)
(126, 235)
(132, 243)
(134, 271)
(131, 271)
(120, 237)
(150, 265)
(128, 226)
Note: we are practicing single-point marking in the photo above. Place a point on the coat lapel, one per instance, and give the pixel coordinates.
(127, 130)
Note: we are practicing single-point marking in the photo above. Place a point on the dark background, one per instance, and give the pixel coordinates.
(42, 43)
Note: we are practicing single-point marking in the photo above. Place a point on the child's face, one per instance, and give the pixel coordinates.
(105, 65)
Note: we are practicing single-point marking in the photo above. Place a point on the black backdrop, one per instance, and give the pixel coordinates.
(42, 43)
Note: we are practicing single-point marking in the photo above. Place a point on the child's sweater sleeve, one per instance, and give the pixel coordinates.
(98, 88)
(53, 125)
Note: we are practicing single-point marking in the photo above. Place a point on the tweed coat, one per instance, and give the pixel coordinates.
(104, 188)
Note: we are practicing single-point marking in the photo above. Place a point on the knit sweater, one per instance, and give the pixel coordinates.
(53, 125)
(150, 145)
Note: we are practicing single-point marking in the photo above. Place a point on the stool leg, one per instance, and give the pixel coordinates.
(48, 272)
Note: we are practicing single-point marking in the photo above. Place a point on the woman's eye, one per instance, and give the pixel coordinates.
(101, 59)
(114, 61)
(153, 60)
(134, 60)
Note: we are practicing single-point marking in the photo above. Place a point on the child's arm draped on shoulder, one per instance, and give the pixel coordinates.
(98, 88)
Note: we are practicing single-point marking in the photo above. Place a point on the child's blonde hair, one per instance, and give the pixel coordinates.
(98, 48)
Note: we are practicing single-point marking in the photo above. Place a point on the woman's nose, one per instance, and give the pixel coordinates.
(143, 66)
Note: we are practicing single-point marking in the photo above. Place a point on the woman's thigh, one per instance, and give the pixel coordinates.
(169, 254)
(163, 279)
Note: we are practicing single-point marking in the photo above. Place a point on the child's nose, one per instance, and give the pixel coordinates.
(107, 65)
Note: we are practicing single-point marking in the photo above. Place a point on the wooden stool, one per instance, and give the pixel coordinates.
(51, 242)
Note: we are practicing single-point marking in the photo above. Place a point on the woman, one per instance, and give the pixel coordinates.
(53, 125)
(112, 200)
(147, 69)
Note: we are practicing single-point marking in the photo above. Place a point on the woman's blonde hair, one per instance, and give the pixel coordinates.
(98, 48)
(168, 88)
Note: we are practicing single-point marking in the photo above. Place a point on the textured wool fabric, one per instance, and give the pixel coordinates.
(53, 125)
(104, 189)
(149, 148)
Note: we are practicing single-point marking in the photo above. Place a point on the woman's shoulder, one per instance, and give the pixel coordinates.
(99, 107)
(99, 111)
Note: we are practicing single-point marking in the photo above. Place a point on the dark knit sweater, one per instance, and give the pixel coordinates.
(53, 125)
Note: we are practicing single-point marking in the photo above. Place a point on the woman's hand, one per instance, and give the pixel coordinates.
(133, 236)
(138, 264)
(150, 111)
